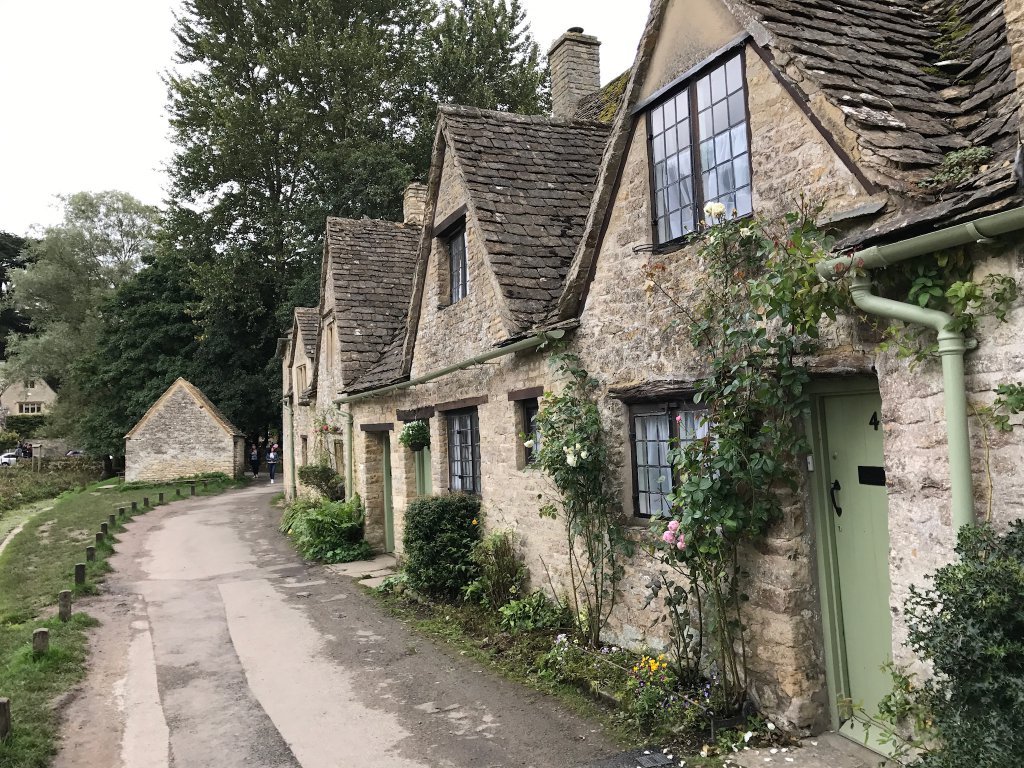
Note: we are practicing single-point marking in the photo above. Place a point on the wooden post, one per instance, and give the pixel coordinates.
(100, 536)
(79, 573)
(64, 604)
(40, 641)
(112, 521)
(177, 492)
(135, 507)
(90, 554)
(191, 489)
(5, 718)
(160, 498)
(205, 484)
(145, 502)
(120, 512)
(104, 529)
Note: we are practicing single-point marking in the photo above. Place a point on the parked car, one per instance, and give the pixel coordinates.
(73, 453)
(8, 459)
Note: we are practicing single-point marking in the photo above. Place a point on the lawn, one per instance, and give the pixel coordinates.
(36, 565)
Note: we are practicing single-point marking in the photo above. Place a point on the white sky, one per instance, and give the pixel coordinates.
(82, 101)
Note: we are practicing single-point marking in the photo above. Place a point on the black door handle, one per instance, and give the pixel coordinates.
(832, 493)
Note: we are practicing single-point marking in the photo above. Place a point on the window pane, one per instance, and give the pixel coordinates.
(676, 226)
(686, 192)
(682, 105)
(737, 109)
(658, 147)
(670, 143)
(670, 112)
(718, 89)
(739, 138)
(722, 150)
(703, 93)
(683, 134)
(707, 154)
(686, 217)
(741, 170)
(673, 197)
(672, 170)
(659, 175)
(657, 121)
(721, 111)
(744, 204)
(725, 180)
(734, 74)
(664, 233)
(704, 119)
(710, 186)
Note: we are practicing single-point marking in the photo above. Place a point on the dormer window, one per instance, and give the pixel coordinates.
(458, 266)
(707, 112)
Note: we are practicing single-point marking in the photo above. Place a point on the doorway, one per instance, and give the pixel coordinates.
(853, 552)
(389, 512)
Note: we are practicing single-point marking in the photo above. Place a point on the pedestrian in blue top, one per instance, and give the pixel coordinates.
(272, 461)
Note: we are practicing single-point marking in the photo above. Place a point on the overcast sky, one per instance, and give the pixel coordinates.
(82, 102)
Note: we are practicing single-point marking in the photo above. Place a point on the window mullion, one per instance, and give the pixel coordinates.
(698, 178)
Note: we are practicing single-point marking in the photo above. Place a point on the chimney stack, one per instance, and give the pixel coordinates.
(575, 71)
(414, 202)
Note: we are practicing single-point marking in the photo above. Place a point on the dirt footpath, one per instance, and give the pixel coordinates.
(220, 647)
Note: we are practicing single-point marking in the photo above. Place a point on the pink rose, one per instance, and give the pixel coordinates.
(673, 525)
(680, 545)
(668, 537)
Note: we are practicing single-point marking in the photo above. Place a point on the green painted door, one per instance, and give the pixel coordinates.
(859, 514)
(424, 481)
(389, 512)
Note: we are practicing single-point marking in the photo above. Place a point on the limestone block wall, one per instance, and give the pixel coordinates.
(178, 440)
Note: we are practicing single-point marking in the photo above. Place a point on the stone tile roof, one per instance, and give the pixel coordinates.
(913, 81)
(307, 319)
(387, 369)
(601, 105)
(371, 265)
(530, 180)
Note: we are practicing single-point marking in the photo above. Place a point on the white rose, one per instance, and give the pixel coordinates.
(714, 210)
(746, 232)
(570, 459)
(583, 454)
(529, 444)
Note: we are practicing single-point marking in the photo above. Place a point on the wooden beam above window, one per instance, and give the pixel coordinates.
(525, 394)
(385, 426)
(415, 414)
(455, 405)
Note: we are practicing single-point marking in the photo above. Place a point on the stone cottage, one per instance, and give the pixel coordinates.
(300, 414)
(538, 229)
(182, 434)
(27, 398)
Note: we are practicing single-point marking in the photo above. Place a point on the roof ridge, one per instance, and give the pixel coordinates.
(461, 110)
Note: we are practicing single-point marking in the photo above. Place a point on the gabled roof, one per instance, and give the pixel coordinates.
(530, 180)
(914, 81)
(387, 369)
(201, 400)
(307, 321)
(370, 264)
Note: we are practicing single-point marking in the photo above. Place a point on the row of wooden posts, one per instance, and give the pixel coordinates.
(41, 636)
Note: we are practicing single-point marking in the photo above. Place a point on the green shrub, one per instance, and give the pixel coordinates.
(440, 534)
(327, 531)
(8, 439)
(970, 626)
(20, 485)
(502, 576)
(532, 612)
(26, 424)
(323, 479)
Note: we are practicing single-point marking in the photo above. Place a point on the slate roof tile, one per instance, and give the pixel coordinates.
(308, 321)
(879, 64)
(371, 266)
(531, 180)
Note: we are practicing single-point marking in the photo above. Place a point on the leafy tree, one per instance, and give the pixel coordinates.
(11, 258)
(70, 272)
(287, 111)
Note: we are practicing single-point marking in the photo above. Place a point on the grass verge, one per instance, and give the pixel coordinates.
(36, 565)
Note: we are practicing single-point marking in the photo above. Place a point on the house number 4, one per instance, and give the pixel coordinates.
(874, 422)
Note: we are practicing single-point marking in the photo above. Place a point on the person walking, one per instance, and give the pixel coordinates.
(254, 461)
(272, 461)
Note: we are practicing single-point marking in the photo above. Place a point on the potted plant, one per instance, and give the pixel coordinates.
(415, 435)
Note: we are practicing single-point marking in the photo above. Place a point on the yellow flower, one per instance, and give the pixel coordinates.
(474, 521)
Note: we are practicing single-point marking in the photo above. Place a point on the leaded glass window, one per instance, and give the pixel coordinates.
(709, 113)
(656, 429)
(464, 451)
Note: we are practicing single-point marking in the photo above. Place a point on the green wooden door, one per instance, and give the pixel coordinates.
(389, 512)
(859, 514)
(424, 481)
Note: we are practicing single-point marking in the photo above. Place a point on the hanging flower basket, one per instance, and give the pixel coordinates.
(415, 435)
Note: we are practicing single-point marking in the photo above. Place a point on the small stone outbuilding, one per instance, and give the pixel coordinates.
(183, 434)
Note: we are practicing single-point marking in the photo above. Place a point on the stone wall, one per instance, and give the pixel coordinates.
(178, 440)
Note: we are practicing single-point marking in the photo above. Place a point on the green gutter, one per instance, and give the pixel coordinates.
(530, 343)
(951, 343)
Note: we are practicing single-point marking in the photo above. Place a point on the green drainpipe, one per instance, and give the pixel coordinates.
(349, 463)
(951, 343)
(291, 452)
